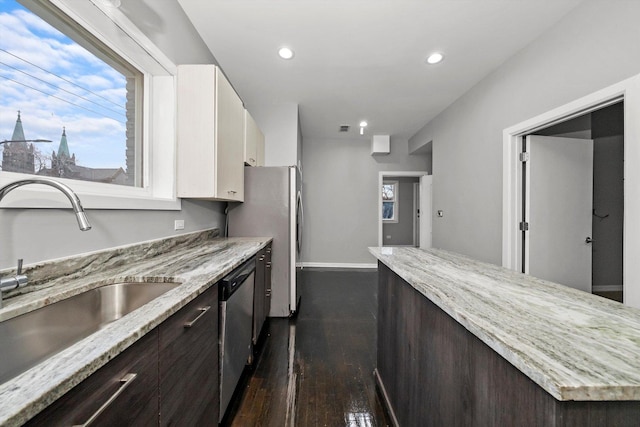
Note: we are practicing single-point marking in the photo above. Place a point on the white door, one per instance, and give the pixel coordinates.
(558, 208)
(425, 211)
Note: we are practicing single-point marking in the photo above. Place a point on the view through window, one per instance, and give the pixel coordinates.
(68, 89)
(389, 198)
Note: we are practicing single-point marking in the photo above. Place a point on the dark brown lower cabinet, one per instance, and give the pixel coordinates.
(168, 377)
(189, 394)
(262, 292)
(434, 372)
(130, 380)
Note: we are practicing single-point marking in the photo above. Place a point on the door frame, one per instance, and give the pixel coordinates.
(628, 91)
(416, 213)
(382, 175)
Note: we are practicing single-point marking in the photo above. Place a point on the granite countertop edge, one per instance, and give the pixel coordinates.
(197, 266)
(559, 377)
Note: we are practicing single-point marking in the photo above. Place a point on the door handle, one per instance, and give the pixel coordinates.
(202, 311)
(588, 240)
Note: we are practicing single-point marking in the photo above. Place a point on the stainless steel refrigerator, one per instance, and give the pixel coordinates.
(273, 207)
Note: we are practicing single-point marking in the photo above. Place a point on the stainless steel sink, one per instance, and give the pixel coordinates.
(28, 339)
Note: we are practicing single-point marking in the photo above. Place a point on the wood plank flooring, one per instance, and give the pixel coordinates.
(317, 369)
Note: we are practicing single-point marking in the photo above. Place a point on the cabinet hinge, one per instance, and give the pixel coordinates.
(524, 157)
(524, 226)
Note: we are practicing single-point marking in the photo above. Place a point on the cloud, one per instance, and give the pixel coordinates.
(77, 91)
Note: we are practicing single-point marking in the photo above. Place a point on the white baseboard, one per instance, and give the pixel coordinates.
(337, 265)
(606, 288)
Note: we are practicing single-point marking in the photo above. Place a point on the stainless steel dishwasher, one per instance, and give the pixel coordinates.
(236, 323)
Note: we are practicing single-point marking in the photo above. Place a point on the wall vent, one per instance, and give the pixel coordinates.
(344, 128)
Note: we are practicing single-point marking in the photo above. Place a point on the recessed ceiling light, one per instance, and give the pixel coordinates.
(434, 58)
(285, 53)
(363, 124)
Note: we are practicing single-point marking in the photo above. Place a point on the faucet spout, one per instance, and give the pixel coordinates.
(83, 222)
(19, 280)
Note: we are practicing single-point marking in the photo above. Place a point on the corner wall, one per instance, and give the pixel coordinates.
(589, 49)
(340, 184)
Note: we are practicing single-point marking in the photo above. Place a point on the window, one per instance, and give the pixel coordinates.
(101, 92)
(69, 89)
(390, 201)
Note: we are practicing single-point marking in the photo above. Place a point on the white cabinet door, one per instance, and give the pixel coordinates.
(230, 141)
(210, 135)
(250, 140)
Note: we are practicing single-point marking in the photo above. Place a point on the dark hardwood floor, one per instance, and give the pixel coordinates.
(317, 369)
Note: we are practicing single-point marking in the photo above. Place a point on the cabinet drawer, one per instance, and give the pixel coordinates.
(133, 402)
(188, 360)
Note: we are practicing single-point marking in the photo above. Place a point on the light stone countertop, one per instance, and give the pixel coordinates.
(197, 260)
(574, 345)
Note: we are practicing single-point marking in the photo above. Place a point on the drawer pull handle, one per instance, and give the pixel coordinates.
(232, 191)
(124, 383)
(202, 311)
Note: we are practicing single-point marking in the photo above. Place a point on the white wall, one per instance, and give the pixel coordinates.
(589, 49)
(340, 183)
(279, 124)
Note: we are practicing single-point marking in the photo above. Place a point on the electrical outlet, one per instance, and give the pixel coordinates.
(178, 224)
(440, 213)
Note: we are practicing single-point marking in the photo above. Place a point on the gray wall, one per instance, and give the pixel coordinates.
(587, 50)
(341, 196)
(41, 234)
(401, 232)
(44, 234)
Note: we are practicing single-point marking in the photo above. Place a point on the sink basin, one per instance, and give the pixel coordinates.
(28, 339)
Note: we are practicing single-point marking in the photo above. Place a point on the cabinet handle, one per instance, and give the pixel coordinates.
(269, 264)
(232, 192)
(252, 160)
(261, 258)
(202, 311)
(268, 250)
(267, 293)
(124, 383)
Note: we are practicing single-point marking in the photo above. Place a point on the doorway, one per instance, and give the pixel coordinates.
(573, 202)
(404, 209)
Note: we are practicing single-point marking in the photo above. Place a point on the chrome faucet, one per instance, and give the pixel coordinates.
(10, 283)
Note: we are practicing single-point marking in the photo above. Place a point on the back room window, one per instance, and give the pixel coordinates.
(58, 83)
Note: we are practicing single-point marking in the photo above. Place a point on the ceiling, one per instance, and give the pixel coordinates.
(365, 59)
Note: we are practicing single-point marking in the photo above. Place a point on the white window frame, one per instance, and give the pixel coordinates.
(116, 31)
(627, 90)
(396, 191)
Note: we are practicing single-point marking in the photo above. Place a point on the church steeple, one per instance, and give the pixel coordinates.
(18, 132)
(63, 149)
(18, 156)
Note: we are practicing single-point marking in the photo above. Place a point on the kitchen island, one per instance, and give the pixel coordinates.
(197, 261)
(465, 343)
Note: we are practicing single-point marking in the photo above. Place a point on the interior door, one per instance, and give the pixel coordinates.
(426, 184)
(558, 208)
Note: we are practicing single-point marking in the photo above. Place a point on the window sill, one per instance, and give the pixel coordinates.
(109, 197)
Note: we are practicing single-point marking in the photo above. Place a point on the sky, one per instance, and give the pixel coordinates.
(45, 75)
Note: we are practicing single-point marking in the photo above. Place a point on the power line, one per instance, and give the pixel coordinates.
(62, 89)
(62, 99)
(60, 77)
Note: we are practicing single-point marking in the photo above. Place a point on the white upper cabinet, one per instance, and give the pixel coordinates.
(210, 145)
(253, 142)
